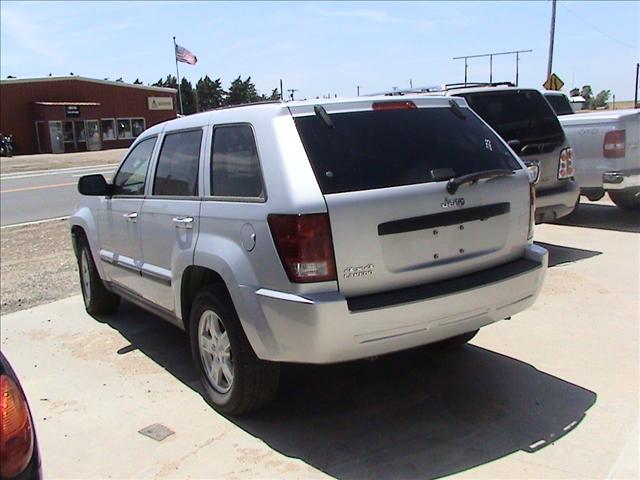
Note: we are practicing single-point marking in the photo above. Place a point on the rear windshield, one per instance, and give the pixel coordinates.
(522, 115)
(560, 104)
(378, 149)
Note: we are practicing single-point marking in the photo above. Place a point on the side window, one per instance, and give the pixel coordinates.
(130, 179)
(177, 170)
(235, 167)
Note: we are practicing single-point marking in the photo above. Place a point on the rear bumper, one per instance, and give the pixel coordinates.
(328, 328)
(557, 202)
(622, 180)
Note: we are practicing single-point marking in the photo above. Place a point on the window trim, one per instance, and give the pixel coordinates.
(165, 134)
(133, 146)
(227, 198)
(115, 132)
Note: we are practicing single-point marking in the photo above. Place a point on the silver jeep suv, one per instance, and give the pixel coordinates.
(313, 232)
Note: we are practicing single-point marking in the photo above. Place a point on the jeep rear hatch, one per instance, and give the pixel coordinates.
(384, 166)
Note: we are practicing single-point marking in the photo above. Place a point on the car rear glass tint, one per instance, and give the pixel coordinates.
(377, 149)
(521, 115)
(560, 104)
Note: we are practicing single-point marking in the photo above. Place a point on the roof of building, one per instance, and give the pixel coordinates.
(12, 81)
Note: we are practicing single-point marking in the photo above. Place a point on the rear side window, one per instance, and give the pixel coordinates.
(132, 175)
(560, 104)
(378, 149)
(235, 168)
(177, 170)
(521, 115)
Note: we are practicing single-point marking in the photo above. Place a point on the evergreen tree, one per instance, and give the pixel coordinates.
(210, 93)
(242, 92)
(188, 97)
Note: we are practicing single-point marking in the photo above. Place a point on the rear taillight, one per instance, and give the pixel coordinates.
(566, 165)
(304, 245)
(16, 441)
(532, 210)
(382, 106)
(614, 144)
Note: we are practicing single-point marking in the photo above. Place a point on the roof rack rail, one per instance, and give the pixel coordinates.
(405, 91)
(453, 86)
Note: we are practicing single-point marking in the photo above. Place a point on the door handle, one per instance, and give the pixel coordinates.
(131, 217)
(183, 222)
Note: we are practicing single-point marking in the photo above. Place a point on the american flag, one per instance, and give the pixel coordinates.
(185, 56)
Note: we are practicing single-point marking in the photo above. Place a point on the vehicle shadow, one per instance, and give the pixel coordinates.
(418, 414)
(559, 254)
(605, 217)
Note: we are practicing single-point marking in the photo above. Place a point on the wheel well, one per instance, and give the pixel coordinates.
(77, 233)
(194, 279)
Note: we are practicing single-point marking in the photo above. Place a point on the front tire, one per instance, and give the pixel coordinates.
(629, 200)
(235, 380)
(97, 299)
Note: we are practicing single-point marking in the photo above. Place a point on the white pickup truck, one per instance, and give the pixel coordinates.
(607, 149)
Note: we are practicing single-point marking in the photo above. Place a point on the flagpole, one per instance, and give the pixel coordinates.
(175, 47)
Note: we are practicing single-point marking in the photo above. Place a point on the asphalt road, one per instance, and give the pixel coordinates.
(32, 196)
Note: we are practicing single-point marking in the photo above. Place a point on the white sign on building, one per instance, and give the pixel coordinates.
(160, 103)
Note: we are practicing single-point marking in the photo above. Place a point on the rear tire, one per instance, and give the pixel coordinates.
(626, 200)
(97, 299)
(235, 380)
(454, 342)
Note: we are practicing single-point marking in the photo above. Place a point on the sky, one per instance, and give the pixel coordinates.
(325, 48)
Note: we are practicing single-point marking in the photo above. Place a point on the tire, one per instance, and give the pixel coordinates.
(454, 342)
(234, 379)
(97, 299)
(628, 200)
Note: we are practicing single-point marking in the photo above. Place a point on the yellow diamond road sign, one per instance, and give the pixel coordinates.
(553, 82)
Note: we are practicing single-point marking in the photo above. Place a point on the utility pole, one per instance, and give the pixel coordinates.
(551, 36)
(635, 97)
(517, 62)
(281, 92)
(358, 89)
(410, 83)
(291, 92)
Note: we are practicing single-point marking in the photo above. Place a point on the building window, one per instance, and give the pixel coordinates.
(124, 128)
(108, 128)
(137, 126)
(129, 127)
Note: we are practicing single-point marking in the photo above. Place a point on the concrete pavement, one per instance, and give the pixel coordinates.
(39, 195)
(553, 393)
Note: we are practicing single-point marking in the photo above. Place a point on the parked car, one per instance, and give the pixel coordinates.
(607, 148)
(526, 121)
(19, 455)
(312, 232)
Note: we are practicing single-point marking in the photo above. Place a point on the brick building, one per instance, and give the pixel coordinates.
(75, 114)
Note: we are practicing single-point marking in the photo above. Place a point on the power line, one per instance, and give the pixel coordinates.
(596, 28)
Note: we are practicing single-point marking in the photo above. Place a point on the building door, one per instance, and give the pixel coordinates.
(92, 132)
(41, 135)
(69, 137)
(55, 134)
(81, 138)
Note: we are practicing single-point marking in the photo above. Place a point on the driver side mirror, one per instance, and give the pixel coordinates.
(94, 185)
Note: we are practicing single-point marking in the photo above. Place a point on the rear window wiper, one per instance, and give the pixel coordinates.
(454, 183)
(323, 115)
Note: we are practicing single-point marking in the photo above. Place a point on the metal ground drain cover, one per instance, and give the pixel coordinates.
(157, 431)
